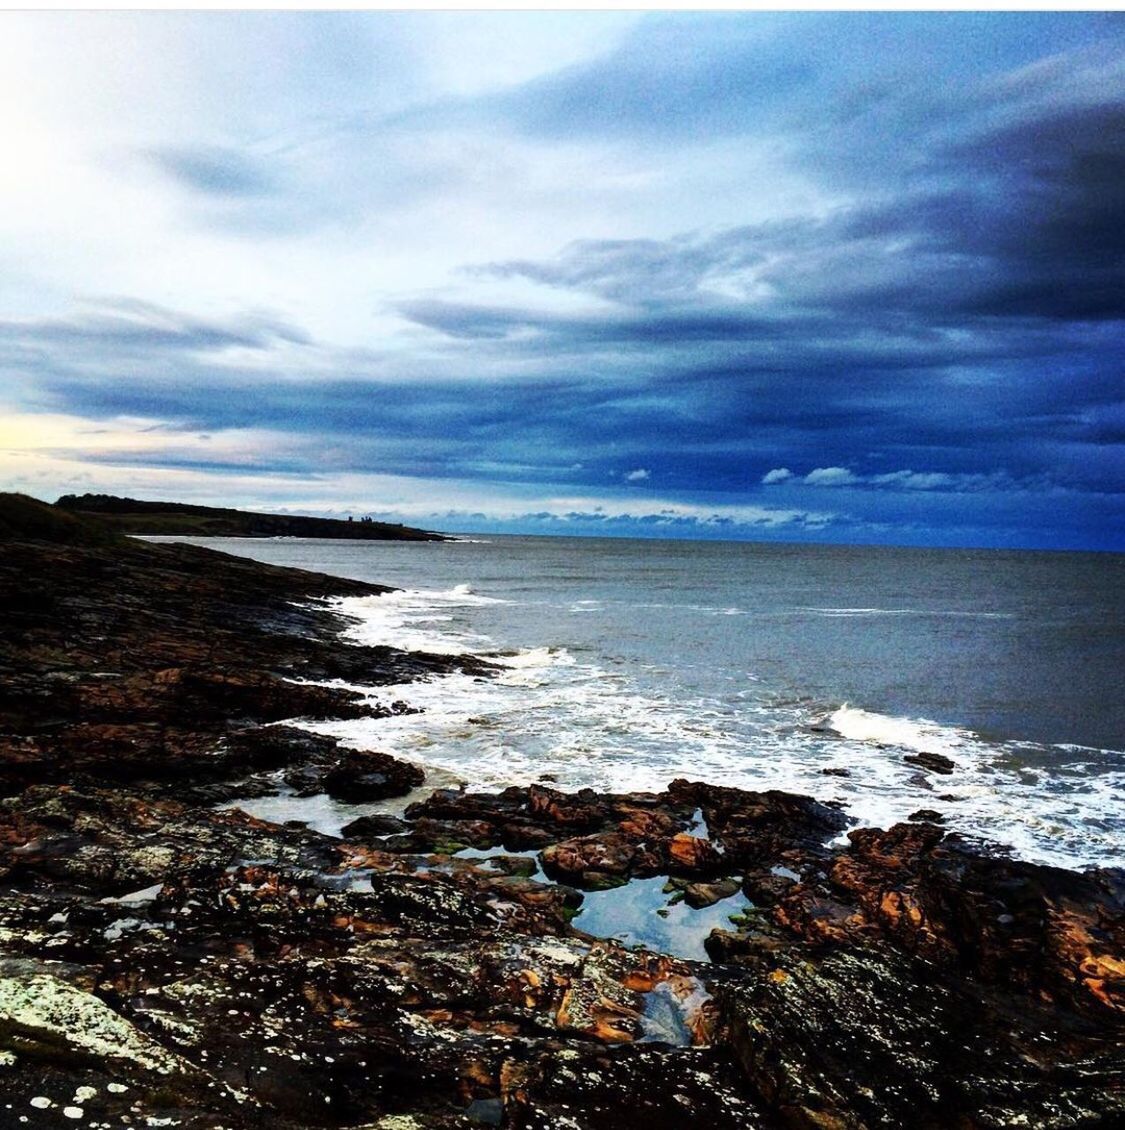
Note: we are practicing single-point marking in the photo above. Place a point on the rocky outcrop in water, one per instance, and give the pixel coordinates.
(167, 962)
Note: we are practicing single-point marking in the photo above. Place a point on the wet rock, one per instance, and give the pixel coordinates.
(374, 827)
(45, 1017)
(935, 762)
(756, 827)
(699, 895)
(111, 843)
(591, 860)
(822, 1044)
(927, 815)
(366, 775)
(635, 1085)
(693, 855)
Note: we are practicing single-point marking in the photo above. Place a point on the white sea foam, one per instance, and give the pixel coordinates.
(913, 734)
(403, 618)
(532, 657)
(551, 715)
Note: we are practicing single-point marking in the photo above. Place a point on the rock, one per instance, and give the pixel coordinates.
(699, 895)
(927, 815)
(935, 762)
(374, 827)
(44, 1017)
(366, 775)
(946, 1053)
(290, 980)
(574, 861)
(692, 855)
(631, 1086)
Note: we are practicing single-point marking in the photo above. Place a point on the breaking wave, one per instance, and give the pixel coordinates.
(904, 733)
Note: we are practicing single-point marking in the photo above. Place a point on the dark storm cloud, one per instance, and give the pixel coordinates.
(971, 318)
(662, 327)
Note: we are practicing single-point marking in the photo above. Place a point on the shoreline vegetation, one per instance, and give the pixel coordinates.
(137, 517)
(166, 961)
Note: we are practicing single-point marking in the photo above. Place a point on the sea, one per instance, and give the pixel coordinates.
(815, 669)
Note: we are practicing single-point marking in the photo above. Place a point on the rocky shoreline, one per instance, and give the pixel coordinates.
(167, 961)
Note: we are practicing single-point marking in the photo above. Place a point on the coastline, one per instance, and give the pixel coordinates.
(166, 958)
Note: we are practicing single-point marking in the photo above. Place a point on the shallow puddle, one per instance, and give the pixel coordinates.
(319, 812)
(642, 913)
(488, 854)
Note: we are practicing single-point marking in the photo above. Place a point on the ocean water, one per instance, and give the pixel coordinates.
(628, 663)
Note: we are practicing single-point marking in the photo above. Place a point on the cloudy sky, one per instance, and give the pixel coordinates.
(841, 277)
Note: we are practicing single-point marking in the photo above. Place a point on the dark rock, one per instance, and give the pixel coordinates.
(365, 775)
(699, 895)
(869, 1037)
(935, 762)
(631, 1086)
(374, 826)
(928, 815)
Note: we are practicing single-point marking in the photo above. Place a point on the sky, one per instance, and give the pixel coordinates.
(842, 277)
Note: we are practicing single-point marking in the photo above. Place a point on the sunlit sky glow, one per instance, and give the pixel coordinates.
(806, 276)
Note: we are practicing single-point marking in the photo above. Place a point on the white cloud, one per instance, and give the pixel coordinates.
(915, 480)
(777, 475)
(906, 479)
(831, 477)
(638, 476)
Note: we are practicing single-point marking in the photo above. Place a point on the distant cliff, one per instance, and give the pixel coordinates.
(134, 516)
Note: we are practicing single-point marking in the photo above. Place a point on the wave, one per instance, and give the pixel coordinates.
(549, 715)
(974, 614)
(531, 657)
(918, 735)
(398, 619)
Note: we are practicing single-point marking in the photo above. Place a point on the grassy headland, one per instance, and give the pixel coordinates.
(137, 516)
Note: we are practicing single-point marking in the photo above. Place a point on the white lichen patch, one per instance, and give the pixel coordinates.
(43, 1010)
(556, 951)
